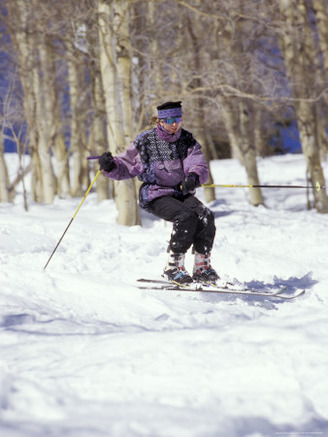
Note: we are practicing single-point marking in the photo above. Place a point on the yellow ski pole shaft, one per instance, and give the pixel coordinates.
(69, 224)
(318, 187)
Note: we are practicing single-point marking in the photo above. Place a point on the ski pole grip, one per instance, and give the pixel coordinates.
(89, 158)
(319, 187)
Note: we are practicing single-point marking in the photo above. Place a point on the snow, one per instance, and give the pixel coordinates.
(84, 353)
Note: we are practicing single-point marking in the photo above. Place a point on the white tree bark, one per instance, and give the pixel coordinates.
(44, 121)
(28, 70)
(321, 14)
(199, 124)
(4, 179)
(98, 139)
(75, 140)
(117, 90)
(237, 126)
(51, 119)
(297, 51)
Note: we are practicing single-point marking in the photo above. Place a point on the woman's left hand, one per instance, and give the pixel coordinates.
(190, 182)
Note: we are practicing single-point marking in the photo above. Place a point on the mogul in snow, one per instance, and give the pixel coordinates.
(171, 165)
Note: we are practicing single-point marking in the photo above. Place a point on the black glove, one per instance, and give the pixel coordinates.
(190, 182)
(106, 162)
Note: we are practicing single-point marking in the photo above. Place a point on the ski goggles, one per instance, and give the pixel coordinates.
(172, 120)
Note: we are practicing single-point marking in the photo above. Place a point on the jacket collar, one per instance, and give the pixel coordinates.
(166, 136)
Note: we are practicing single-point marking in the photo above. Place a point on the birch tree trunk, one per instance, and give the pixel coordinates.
(124, 75)
(297, 54)
(75, 140)
(62, 167)
(256, 128)
(198, 123)
(4, 178)
(52, 120)
(155, 86)
(98, 139)
(237, 126)
(235, 112)
(249, 156)
(321, 14)
(44, 121)
(28, 70)
(115, 88)
(199, 117)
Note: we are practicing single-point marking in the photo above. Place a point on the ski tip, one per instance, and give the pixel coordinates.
(297, 294)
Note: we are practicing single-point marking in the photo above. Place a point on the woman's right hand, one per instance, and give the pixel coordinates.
(106, 162)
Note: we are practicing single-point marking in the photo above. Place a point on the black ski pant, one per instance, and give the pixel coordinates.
(193, 222)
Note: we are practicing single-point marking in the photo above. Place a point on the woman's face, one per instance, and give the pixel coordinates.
(172, 125)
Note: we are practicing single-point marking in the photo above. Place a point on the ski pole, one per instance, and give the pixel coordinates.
(317, 186)
(69, 224)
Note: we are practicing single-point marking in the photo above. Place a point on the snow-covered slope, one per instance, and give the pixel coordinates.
(84, 353)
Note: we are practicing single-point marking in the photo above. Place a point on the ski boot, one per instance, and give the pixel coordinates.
(175, 270)
(202, 270)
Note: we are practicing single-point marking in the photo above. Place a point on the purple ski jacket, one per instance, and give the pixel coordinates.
(161, 160)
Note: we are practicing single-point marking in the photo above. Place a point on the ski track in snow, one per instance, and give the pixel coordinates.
(84, 353)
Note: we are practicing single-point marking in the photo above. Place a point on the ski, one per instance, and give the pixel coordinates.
(206, 288)
(200, 285)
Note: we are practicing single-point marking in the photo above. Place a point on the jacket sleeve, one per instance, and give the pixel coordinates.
(195, 162)
(127, 165)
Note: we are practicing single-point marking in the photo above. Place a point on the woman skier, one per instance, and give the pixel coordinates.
(171, 165)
